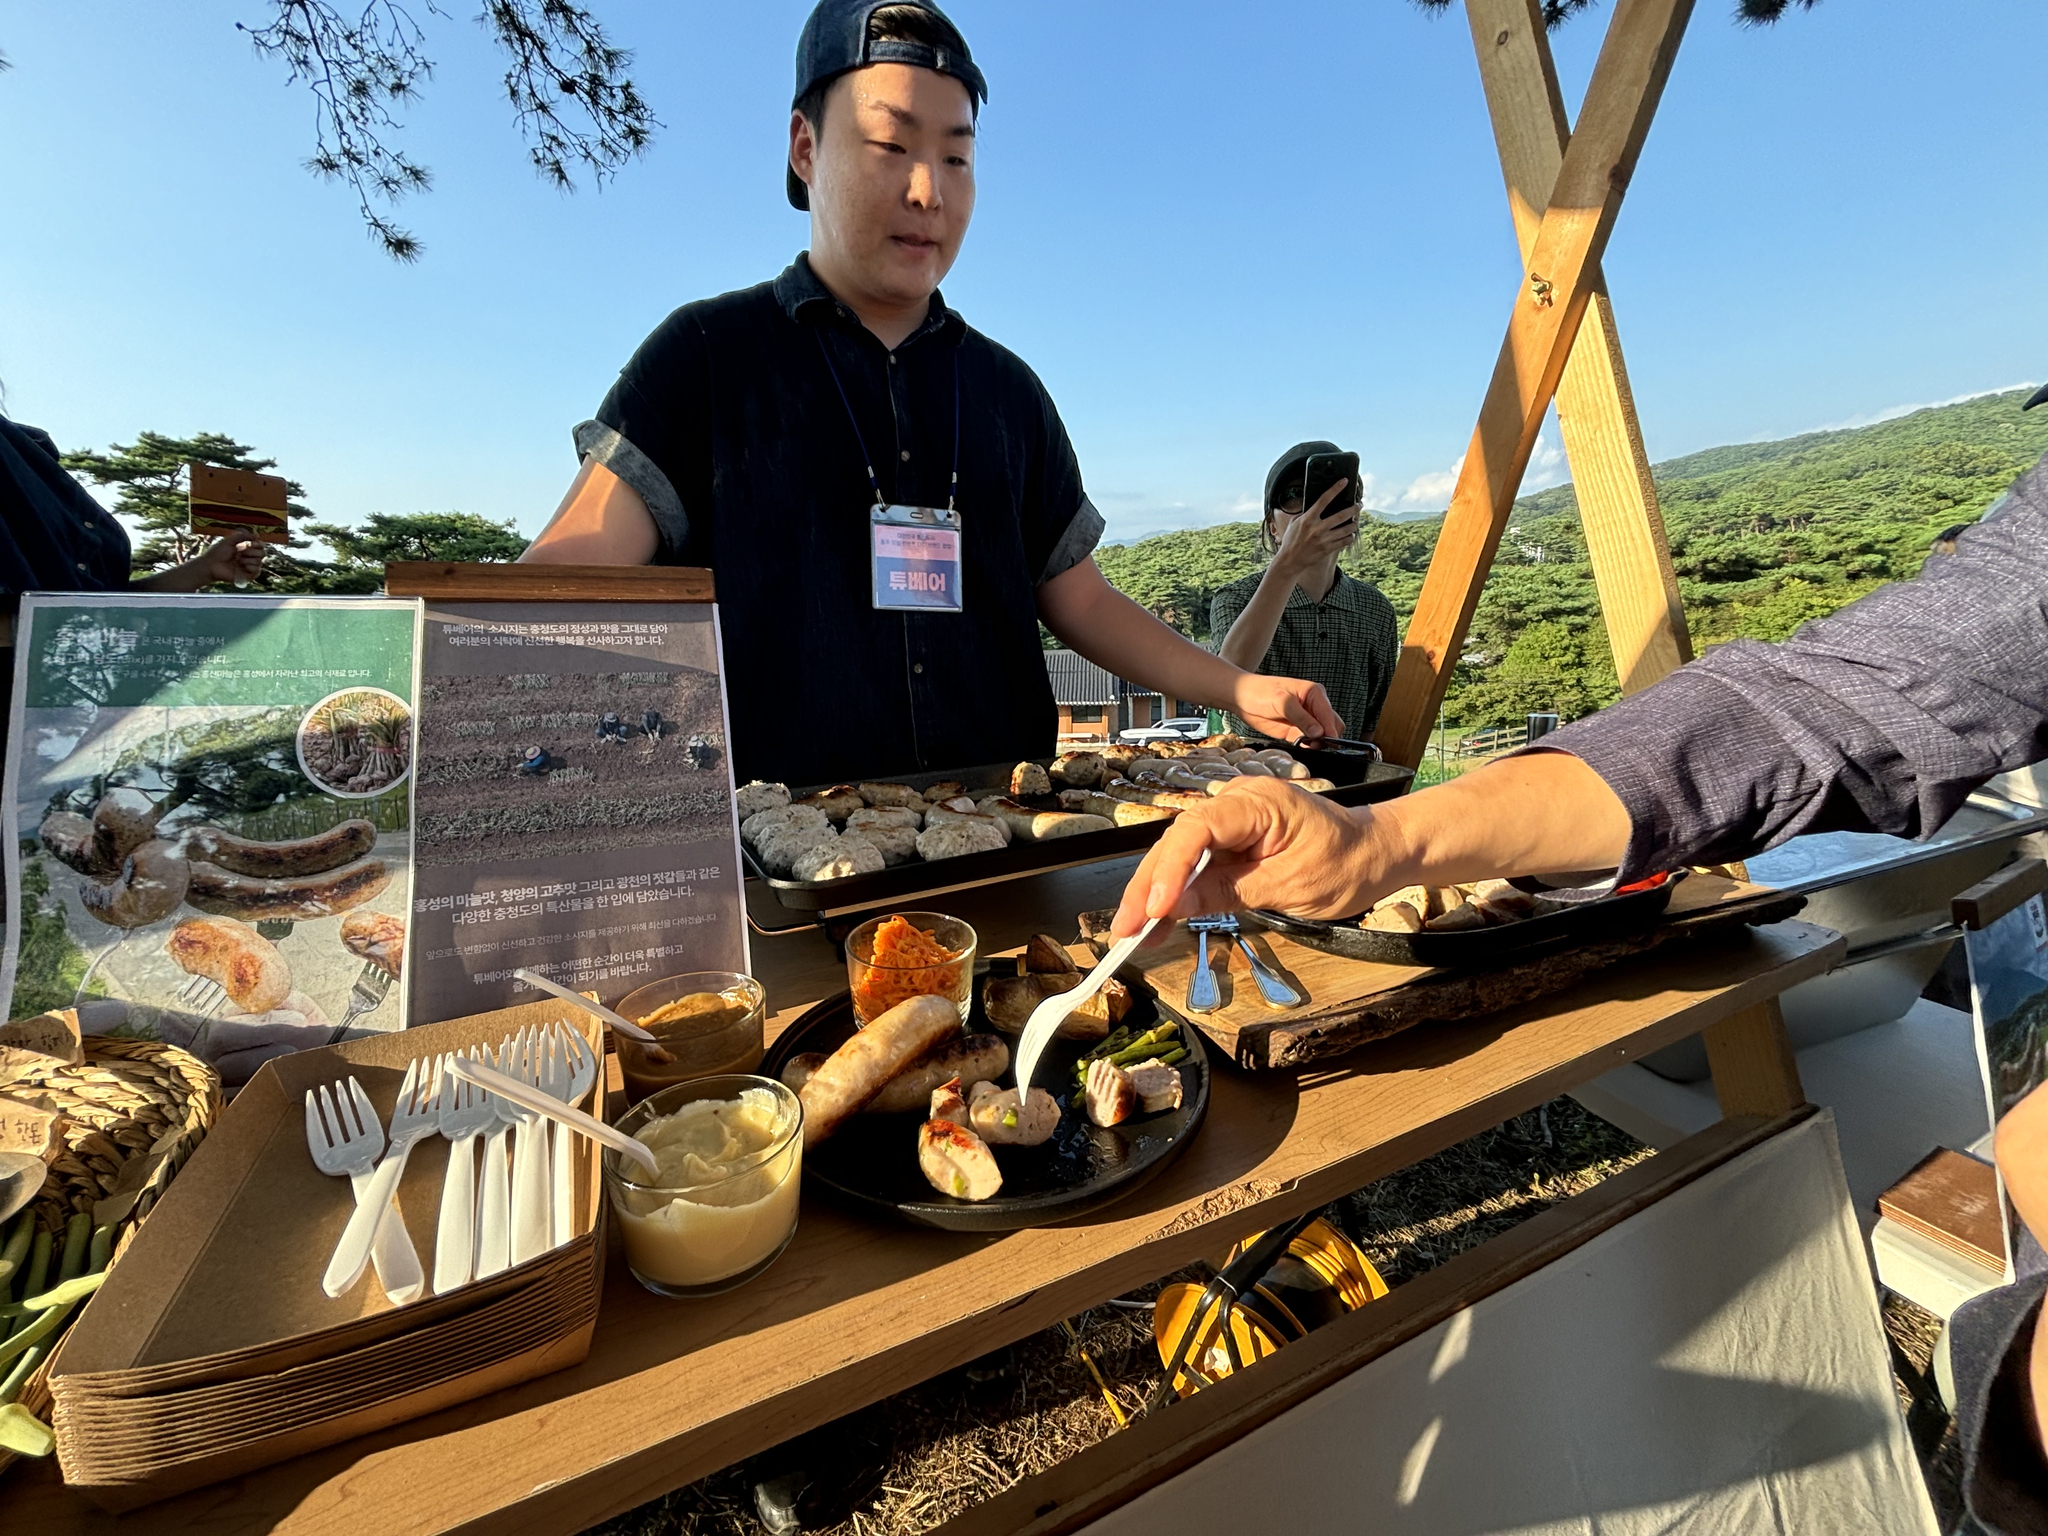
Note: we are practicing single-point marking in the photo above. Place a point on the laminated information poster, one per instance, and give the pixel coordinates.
(573, 802)
(211, 825)
(2009, 1002)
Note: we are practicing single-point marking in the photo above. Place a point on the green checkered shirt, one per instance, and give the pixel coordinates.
(1348, 642)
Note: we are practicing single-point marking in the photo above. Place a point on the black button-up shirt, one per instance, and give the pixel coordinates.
(729, 424)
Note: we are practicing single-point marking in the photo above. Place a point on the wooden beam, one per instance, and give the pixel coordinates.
(492, 582)
(1596, 410)
(1112, 1472)
(1635, 61)
(1751, 1058)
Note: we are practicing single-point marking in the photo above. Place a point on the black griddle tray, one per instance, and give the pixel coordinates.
(1359, 781)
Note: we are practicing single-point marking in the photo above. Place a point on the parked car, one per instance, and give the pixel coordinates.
(1186, 728)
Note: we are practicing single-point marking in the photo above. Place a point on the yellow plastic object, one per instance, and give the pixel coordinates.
(1322, 1276)
(1208, 1358)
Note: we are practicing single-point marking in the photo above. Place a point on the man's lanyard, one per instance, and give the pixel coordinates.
(914, 552)
(953, 485)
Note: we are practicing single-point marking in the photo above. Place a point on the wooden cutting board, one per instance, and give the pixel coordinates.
(1352, 1002)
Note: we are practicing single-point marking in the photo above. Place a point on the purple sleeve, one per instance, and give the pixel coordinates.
(1883, 717)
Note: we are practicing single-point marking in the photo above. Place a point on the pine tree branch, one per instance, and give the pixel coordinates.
(570, 94)
(560, 54)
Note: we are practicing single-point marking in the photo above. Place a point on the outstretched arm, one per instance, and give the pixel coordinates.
(1086, 612)
(602, 521)
(1273, 846)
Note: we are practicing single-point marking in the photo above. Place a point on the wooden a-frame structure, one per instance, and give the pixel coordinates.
(1565, 185)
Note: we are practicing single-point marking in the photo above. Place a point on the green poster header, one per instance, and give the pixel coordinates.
(251, 651)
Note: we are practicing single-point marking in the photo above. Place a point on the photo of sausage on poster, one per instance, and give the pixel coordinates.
(572, 802)
(211, 821)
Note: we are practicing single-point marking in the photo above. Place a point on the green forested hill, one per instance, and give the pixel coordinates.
(1764, 536)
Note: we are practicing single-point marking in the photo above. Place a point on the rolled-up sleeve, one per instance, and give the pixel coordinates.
(652, 430)
(1883, 717)
(608, 446)
(1083, 532)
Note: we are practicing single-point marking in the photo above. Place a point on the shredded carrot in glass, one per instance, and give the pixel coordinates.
(906, 962)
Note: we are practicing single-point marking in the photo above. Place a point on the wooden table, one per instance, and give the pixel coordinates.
(855, 1311)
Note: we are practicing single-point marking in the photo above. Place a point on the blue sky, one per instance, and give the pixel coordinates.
(1213, 230)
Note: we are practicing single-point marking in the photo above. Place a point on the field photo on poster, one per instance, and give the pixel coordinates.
(532, 765)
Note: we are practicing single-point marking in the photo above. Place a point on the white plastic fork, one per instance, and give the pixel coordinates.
(494, 1210)
(465, 1113)
(344, 1135)
(531, 1184)
(412, 1118)
(1051, 1013)
(572, 1069)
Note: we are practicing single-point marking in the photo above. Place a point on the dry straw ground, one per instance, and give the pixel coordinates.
(911, 1461)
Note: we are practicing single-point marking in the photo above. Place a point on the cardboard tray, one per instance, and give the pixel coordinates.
(1359, 781)
(212, 1350)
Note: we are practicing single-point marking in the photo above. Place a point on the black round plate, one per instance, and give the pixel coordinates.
(1582, 922)
(870, 1162)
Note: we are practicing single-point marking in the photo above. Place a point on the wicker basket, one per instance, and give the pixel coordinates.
(133, 1112)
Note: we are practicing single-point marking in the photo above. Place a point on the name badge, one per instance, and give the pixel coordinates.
(916, 558)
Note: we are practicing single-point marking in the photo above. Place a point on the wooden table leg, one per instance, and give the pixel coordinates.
(1751, 1059)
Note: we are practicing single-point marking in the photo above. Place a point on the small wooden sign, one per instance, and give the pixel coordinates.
(229, 503)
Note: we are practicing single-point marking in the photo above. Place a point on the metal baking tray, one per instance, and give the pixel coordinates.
(1586, 919)
(772, 903)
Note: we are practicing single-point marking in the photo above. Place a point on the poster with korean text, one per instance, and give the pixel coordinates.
(210, 818)
(572, 802)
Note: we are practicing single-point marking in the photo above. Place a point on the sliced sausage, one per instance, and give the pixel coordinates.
(955, 1161)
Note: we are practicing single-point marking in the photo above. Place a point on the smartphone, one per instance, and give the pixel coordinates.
(1321, 471)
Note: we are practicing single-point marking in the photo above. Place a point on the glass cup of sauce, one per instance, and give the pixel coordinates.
(710, 1023)
(724, 1207)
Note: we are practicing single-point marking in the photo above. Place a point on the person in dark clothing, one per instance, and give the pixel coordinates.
(611, 729)
(1882, 717)
(56, 538)
(888, 497)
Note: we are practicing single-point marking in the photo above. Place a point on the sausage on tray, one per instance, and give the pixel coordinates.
(858, 1071)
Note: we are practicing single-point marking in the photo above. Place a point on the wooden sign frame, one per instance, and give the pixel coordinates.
(238, 504)
(499, 582)
(1561, 274)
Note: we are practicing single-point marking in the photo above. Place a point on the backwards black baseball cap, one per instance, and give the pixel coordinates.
(836, 40)
(2038, 397)
(1290, 465)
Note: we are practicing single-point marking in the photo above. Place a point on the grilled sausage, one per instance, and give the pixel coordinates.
(247, 965)
(1003, 1117)
(858, 1071)
(150, 883)
(299, 898)
(970, 1057)
(955, 1161)
(331, 849)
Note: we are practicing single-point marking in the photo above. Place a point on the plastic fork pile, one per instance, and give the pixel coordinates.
(517, 1205)
(221, 1353)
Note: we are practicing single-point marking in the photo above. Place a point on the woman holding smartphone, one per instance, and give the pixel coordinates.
(1301, 616)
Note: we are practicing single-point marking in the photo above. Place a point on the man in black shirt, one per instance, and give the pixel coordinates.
(817, 440)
